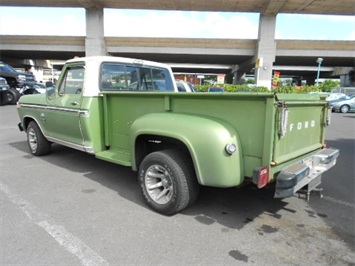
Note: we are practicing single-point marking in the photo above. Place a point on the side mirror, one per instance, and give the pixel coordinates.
(50, 91)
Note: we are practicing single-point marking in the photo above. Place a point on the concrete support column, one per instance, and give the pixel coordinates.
(346, 75)
(95, 39)
(228, 79)
(310, 80)
(238, 77)
(266, 50)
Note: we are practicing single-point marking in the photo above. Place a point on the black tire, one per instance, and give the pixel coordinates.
(13, 96)
(4, 99)
(168, 181)
(37, 143)
(344, 108)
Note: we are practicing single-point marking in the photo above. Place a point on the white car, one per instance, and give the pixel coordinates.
(335, 96)
(184, 86)
(40, 87)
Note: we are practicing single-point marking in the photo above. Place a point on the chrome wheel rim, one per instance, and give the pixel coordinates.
(9, 97)
(344, 109)
(32, 139)
(159, 184)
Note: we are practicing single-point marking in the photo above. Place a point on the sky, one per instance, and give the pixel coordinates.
(179, 24)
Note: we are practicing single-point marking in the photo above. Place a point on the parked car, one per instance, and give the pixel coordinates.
(4, 88)
(335, 96)
(216, 89)
(184, 86)
(14, 78)
(17, 81)
(345, 90)
(35, 89)
(344, 105)
(330, 96)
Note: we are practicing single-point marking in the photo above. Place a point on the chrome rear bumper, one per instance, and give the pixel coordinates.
(308, 171)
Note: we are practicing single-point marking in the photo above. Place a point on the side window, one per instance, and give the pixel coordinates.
(73, 81)
(145, 77)
(132, 78)
(162, 80)
(155, 79)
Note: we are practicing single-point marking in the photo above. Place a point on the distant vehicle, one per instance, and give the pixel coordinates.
(335, 96)
(216, 89)
(39, 87)
(344, 105)
(184, 86)
(17, 81)
(345, 90)
(330, 96)
(14, 78)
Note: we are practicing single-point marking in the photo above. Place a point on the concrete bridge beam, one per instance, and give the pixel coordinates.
(95, 40)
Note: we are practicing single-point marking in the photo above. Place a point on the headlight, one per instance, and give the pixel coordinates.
(21, 78)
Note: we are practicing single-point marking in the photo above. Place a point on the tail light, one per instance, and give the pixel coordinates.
(261, 176)
(325, 145)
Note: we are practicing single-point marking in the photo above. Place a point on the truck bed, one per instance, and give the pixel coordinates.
(273, 129)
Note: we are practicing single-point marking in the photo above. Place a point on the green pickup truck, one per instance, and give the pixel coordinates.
(129, 112)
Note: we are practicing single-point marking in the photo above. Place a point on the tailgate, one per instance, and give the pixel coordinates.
(300, 124)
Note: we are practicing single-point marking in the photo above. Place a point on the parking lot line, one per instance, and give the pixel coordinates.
(70, 242)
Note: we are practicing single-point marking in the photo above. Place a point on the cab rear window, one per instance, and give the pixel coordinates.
(119, 77)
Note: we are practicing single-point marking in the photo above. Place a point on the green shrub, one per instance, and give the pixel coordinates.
(326, 86)
(232, 88)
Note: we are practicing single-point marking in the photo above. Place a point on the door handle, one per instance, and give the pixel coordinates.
(74, 103)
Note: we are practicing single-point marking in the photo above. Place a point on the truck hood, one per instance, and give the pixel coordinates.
(37, 99)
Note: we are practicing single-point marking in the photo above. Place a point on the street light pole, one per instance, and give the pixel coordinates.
(319, 61)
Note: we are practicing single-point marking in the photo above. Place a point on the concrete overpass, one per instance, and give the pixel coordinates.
(265, 7)
(237, 55)
(292, 57)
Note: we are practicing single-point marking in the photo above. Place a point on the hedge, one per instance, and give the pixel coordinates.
(281, 89)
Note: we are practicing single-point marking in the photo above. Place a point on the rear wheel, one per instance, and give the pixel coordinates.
(168, 182)
(37, 143)
(344, 108)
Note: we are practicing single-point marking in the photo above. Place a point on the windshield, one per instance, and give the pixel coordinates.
(6, 68)
(347, 97)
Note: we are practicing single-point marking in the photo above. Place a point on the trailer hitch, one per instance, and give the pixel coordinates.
(306, 193)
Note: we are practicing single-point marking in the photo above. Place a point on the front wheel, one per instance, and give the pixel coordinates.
(37, 143)
(344, 109)
(168, 182)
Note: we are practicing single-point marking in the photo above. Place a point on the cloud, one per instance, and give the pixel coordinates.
(155, 23)
(333, 18)
(42, 21)
(315, 27)
(351, 36)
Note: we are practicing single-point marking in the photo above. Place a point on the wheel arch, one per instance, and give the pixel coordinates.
(26, 121)
(11, 81)
(203, 138)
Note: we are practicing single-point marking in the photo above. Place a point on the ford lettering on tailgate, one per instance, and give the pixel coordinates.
(300, 136)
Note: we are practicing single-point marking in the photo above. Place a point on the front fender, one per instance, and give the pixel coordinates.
(204, 137)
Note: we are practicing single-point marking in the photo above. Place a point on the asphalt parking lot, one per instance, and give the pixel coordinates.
(69, 208)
